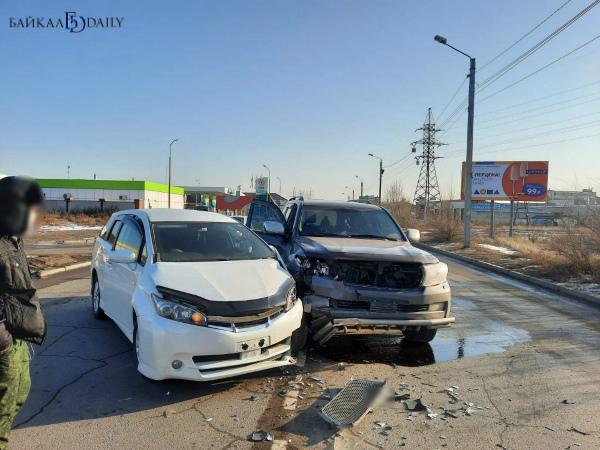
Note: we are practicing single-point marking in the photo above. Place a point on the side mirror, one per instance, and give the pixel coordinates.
(272, 227)
(413, 235)
(123, 256)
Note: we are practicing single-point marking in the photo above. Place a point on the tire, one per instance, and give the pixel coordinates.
(299, 337)
(96, 299)
(423, 335)
(136, 344)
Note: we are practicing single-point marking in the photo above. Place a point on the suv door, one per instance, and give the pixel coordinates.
(262, 211)
(125, 277)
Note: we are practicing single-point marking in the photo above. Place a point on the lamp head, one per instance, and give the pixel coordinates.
(440, 39)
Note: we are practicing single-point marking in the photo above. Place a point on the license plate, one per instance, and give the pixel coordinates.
(383, 305)
(253, 344)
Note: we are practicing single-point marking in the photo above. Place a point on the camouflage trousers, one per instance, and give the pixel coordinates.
(14, 386)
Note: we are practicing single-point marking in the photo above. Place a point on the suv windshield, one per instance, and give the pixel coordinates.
(207, 241)
(348, 222)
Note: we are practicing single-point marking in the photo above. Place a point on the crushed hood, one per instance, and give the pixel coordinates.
(223, 281)
(364, 249)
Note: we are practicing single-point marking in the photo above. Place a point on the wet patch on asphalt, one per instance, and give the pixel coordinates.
(449, 344)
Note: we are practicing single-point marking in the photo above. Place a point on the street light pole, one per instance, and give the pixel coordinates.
(269, 182)
(279, 186)
(361, 185)
(380, 174)
(469, 159)
(169, 199)
(352, 189)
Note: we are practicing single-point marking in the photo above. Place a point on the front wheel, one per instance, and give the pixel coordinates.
(422, 335)
(96, 298)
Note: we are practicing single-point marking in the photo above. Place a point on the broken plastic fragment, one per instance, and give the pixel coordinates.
(208, 419)
(552, 428)
(432, 416)
(261, 436)
(415, 405)
(578, 431)
(380, 424)
(317, 378)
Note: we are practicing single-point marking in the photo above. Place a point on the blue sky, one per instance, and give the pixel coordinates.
(306, 87)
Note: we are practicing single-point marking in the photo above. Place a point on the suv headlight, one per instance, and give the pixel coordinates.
(435, 274)
(290, 300)
(177, 311)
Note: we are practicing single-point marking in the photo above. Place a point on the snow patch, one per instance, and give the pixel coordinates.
(71, 226)
(504, 250)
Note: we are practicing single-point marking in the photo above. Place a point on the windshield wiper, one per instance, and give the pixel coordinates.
(371, 236)
(322, 234)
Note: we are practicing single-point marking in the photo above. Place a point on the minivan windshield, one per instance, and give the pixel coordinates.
(207, 241)
(348, 222)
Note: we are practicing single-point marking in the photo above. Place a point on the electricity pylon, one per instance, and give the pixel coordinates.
(427, 194)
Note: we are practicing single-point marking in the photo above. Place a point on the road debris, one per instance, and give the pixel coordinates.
(168, 412)
(415, 405)
(578, 431)
(354, 402)
(261, 436)
(316, 378)
(552, 428)
(208, 419)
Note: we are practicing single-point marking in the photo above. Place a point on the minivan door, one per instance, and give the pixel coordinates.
(262, 211)
(125, 277)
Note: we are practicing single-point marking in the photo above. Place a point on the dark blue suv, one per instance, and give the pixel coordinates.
(355, 268)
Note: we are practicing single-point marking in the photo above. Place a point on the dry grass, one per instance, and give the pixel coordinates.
(95, 218)
(558, 253)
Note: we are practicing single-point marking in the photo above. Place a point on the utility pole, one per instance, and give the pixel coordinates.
(380, 175)
(469, 159)
(169, 199)
(361, 185)
(427, 191)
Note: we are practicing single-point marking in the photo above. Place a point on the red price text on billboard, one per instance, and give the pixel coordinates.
(508, 180)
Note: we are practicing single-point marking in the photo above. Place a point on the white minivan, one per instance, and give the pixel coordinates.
(200, 295)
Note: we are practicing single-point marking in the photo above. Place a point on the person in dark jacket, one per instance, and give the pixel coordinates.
(21, 317)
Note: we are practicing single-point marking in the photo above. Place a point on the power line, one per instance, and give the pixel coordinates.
(528, 146)
(529, 117)
(536, 27)
(525, 129)
(457, 91)
(535, 99)
(492, 79)
(539, 70)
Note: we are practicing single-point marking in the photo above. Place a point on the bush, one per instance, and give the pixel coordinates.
(445, 229)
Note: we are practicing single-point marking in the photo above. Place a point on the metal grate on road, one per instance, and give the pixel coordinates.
(352, 403)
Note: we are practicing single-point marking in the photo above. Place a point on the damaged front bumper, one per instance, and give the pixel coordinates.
(334, 306)
(213, 352)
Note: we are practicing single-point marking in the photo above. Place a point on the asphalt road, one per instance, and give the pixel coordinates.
(527, 360)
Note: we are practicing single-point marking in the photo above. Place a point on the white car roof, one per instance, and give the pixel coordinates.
(179, 215)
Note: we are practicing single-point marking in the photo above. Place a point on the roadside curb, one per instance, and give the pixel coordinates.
(586, 298)
(47, 272)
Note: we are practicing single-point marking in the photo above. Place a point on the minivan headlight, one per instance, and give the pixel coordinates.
(290, 300)
(177, 311)
(435, 274)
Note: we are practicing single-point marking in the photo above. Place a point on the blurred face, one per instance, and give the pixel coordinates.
(34, 220)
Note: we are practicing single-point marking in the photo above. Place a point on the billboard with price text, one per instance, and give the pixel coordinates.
(523, 181)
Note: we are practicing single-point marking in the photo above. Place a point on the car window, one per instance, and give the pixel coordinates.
(207, 241)
(130, 238)
(112, 237)
(348, 222)
(261, 214)
(106, 229)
